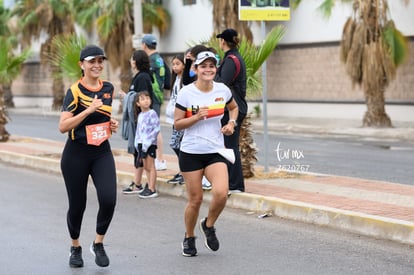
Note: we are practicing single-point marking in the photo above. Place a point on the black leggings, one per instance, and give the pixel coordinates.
(77, 163)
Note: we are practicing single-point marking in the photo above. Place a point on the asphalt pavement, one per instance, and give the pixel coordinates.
(373, 208)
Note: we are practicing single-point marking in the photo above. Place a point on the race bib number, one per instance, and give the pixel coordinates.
(97, 133)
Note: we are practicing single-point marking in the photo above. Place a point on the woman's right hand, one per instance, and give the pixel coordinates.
(202, 113)
(95, 105)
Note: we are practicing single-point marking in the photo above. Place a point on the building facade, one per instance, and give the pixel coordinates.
(305, 67)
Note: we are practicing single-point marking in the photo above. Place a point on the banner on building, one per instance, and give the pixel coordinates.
(264, 10)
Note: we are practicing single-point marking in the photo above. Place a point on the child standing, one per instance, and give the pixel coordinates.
(176, 136)
(142, 81)
(148, 127)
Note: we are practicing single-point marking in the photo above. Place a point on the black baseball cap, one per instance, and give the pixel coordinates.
(228, 35)
(90, 52)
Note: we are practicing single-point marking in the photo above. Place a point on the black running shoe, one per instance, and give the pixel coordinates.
(147, 193)
(180, 180)
(176, 179)
(133, 189)
(98, 250)
(209, 233)
(75, 257)
(188, 245)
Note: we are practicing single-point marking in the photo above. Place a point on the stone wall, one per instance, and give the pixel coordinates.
(315, 73)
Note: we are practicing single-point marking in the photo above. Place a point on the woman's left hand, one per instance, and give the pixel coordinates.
(114, 124)
(228, 129)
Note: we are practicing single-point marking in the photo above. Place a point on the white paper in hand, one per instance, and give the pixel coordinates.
(227, 154)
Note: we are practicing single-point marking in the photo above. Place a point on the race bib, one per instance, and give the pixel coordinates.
(97, 133)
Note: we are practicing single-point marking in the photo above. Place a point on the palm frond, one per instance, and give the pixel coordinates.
(294, 3)
(10, 63)
(157, 16)
(268, 46)
(65, 55)
(396, 44)
(326, 8)
(86, 13)
(347, 38)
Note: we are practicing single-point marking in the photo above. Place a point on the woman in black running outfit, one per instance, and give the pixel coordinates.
(86, 117)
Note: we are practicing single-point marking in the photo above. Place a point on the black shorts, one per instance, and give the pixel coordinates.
(142, 155)
(193, 162)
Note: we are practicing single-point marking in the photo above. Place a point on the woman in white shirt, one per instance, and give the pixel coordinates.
(199, 109)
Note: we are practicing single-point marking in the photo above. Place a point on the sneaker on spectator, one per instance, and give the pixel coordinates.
(133, 189)
(98, 251)
(206, 184)
(75, 257)
(147, 193)
(178, 178)
(188, 246)
(209, 233)
(160, 165)
(181, 180)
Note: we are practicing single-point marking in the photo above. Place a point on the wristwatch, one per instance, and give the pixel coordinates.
(233, 121)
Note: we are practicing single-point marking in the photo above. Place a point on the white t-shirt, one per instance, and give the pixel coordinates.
(205, 135)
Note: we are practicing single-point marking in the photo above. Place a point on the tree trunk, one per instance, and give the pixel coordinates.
(248, 148)
(8, 95)
(375, 116)
(225, 15)
(4, 135)
(57, 90)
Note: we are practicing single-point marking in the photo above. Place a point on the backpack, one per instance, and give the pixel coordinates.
(167, 77)
(237, 63)
(157, 90)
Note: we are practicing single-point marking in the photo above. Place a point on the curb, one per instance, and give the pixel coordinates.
(359, 223)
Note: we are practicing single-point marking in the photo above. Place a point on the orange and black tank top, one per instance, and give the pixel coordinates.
(79, 97)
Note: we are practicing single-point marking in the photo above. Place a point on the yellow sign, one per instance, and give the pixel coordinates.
(264, 10)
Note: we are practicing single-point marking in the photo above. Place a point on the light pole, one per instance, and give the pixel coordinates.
(138, 29)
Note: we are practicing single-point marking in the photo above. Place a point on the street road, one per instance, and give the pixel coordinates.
(367, 158)
(145, 238)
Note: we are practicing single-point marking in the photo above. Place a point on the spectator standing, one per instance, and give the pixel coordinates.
(189, 75)
(232, 72)
(148, 127)
(176, 136)
(149, 45)
(142, 81)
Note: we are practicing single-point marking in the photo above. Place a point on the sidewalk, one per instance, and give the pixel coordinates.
(373, 208)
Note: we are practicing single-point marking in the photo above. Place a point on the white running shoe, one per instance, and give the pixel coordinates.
(160, 165)
(205, 183)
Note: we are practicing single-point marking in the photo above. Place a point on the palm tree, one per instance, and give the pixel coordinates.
(5, 19)
(225, 15)
(114, 23)
(10, 65)
(371, 49)
(51, 17)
